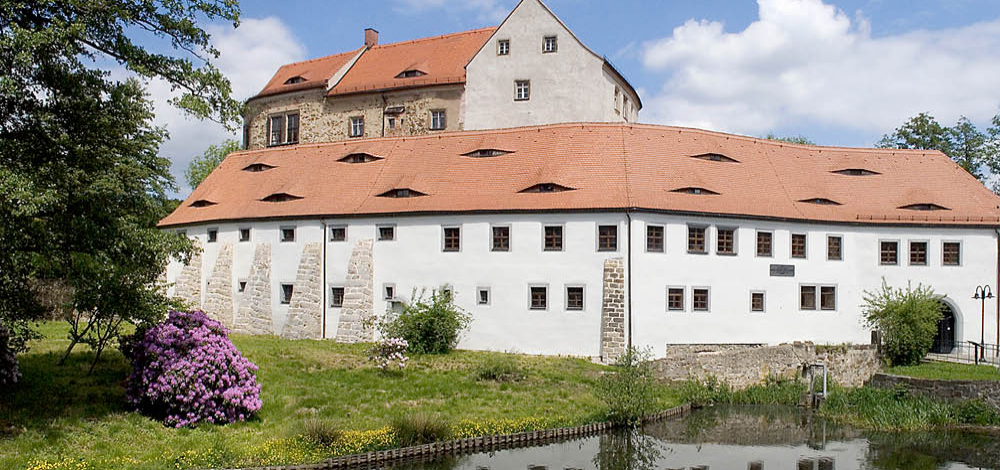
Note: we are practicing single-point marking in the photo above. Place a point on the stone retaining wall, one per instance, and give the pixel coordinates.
(305, 314)
(254, 314)
(742, 365)
(219, 290)
(952, 390)
(188, 284)
(613, 310)
(359, 305)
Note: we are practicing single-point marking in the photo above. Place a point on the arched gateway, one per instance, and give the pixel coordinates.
(944, 340)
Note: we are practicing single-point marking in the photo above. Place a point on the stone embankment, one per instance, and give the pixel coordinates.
(951, 390)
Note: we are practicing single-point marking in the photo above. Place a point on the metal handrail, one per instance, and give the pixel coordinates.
(971, 352)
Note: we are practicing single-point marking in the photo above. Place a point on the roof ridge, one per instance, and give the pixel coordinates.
(432, 38)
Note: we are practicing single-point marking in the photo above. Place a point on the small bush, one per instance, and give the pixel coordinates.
(976, 412)
(421, 428)
(186, 370)
(430, 325)
(907, 320)
(629, 392)
(499, 368)
(9, 373)
(389, 354)
(319, 431)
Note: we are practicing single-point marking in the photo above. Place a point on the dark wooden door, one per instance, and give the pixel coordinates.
(944, 340)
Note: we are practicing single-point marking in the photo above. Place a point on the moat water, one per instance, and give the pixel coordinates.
(743, 438)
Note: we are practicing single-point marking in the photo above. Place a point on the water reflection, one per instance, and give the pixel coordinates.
(752, 438)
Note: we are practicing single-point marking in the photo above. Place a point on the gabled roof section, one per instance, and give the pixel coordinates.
(315, 73)
(442, 59)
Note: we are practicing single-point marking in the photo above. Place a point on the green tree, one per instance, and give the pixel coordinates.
(797, 139)
(202, 166)
(81, 183)
(972, 149)
(906, 319)
(919, 132)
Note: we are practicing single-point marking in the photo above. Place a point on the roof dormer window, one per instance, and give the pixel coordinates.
(202, 203)
(485, 153)
(402, 193)
(715, 157)
(359, 158)
(856, 172)
(546, 188)
(821, 201)
(412, 73)
(694, 190)
(280, 197)
(927, 206)
(258, 167)
(294, 80)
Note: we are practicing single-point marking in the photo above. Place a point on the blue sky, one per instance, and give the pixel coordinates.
(838, 72)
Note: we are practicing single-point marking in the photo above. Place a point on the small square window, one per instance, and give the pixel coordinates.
(244, 234)
(696, 239)
(388, 291)
(357, 126)
(834, 248)
(607, 238)
(438, 121)
(482, 296)
(764, 243)
(452, 239)
(549, 44)
(386, 232)
(675, 298)
(501, 239)
(699, 299)
(286, 293)
(553, 238)
(213, 235)
(503, 47)
(241, 286)
(522, 90)
(828, 298)
(654, 238)
(888, 253)
(726, 241)
(951, 253)
(798, 245)
(807, 297)
(539, 297)
(756, 301)
(336, 297)
(574, 298)
(391, 123)
(288, 234)
(338, 234)
(918, 253)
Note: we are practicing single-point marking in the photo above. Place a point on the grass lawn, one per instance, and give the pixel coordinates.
(60, 417)
(947, 371)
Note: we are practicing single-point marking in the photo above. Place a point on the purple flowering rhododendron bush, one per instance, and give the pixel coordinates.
(186, 370)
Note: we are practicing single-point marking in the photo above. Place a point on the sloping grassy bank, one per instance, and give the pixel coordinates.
(320, 399)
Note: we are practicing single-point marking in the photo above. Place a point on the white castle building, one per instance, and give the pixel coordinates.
(561, 238)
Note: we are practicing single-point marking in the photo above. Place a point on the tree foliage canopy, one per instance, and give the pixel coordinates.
(976, 151)
(906, 318)
(794, 139)
(202, 166)
(81, 183)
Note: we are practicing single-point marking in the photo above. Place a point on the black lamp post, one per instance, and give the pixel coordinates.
(982, 293)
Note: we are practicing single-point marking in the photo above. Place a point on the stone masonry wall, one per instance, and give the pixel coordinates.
(187, 287)
(744, 365)
(219, 291)
(323, 119)
(358, 296)
(613, 310)
(305, 314)
(952, 390)
(254, 314)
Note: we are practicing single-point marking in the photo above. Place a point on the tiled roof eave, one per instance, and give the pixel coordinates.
(410, 86)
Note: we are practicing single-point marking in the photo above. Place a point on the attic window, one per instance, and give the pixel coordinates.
(202, 203)
(359, 158)
(715, 157)
(821, 201)
(546, 188)
(281, 197)
(856, 172)
(401, 193)
(924, 207)
(411, 73)
(482, 153)
(257, 167)
(693, 190)
(294, 80)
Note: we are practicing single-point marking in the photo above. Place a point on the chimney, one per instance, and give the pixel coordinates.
(371, 37)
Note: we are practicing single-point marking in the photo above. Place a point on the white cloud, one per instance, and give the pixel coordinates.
(807, 62)
(486, 10)
(248, 56)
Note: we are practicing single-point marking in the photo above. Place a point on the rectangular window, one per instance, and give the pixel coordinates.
(501, 239)
(244, 234)
(951, 253)
(283, 129)
(336, 297)
(388, 291)
(452, 239)
(607, 238)
(918, 253)
(522, 90)
(618, 109)
(292, 128)
(726, 241)
(654, 238)
(213, 235)
(437, 120)
(756, 301)
(277, 133)
(625, 108)
(286, 293)
(888, 253)
(696, 239)
(503, 47)
(392, 123)
(482, 296)
(242, 285)
(675, 298)
(574, 298)
(828, 298)
(807, 297)
(357, 126)
(338, 234)
(288, 234)
(764, 243)
(553, 238)
(549, 44)
(386, 233)
(539, 297)
(699, 299)
(834, 248)
(798, 245)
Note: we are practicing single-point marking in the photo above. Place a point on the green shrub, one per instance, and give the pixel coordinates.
(976, 412)
(629, 392)
(420, 428)
(774, 391)
(499, 368)
(430, 325)
(906, 319)
(319, 431)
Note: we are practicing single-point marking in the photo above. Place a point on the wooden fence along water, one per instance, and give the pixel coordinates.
(469, 445)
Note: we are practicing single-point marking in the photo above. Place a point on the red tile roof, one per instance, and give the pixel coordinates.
(609, 167)
(316, 72)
